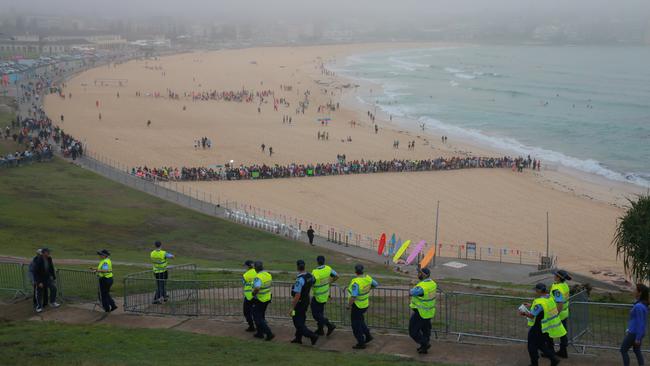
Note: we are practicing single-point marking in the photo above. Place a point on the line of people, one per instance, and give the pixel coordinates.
(547, 316)
(263, 171)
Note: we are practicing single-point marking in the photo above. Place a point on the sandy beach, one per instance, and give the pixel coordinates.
(492, 207)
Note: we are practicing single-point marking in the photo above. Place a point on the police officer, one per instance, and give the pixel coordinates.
(324, 275)
(561, 293)
(248, 278)
(423, 303)
(104, 272)
(358, 302)
(300, 303)
(159, 259)
(544, 325)
(261, 299)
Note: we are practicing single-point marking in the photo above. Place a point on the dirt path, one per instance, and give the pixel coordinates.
(444, 349)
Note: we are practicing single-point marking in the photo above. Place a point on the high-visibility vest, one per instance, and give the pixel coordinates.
(426, 303)
(264, 293)
(321, 288)
(365, 284)
(159, 260)
(108, 274)
(566, 293)
(551, 322)
(249, 277)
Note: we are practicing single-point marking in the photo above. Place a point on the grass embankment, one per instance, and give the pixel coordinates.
(76, 212)
(33, 343)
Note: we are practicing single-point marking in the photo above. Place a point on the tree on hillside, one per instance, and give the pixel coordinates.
(632, 239)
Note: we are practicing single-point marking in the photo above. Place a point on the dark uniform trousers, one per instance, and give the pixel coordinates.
(105, 293)
(248, 312)
(538, 341)
(564, 341)
(359, 327)
(419, 329)
(259, 316)
(161, 282)
(318, 312)
(299, 317)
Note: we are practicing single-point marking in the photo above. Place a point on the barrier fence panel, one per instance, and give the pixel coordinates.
(390, 309)
(14, 279)
(487, 316)
(604, 325)
(77, 285)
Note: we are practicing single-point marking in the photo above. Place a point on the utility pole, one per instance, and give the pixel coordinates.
(435, 241)
(547, 236)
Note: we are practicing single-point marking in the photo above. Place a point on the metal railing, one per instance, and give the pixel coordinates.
(77, 285)
(590, 325)
(14, 279)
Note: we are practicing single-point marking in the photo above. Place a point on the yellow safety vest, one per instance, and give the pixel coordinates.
(365, 284)
(108, 274)
(159, 260)
(566, 293)
(321, 288)
(249, 277)
(551, 322)
(425, 304)
(264, 293)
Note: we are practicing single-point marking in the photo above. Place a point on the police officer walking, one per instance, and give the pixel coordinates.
(561, 293)
(160, 260)
(423, 303)
(358, 302)
(248, 278)
(324, 275)
(104, 272)
(261, 299)
(544, 325)
(300, 303)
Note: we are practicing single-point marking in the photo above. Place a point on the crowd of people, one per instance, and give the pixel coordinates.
(263, 171)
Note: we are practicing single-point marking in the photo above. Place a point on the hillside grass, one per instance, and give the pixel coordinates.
(35, 343)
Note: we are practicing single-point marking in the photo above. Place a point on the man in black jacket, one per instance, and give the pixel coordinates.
(44, 280)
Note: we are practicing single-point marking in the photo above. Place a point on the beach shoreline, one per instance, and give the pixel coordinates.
(505, 209)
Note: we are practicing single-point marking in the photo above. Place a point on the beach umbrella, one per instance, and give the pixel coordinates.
(428, 257)
(415, 252)
(401, 251)
(382, 244)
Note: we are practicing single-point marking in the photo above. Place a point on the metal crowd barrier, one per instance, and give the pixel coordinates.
(263, 224)
(590, 325)
(77, 285)
(14, 279)
(25, 160)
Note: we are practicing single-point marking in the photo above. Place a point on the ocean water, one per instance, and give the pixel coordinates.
(586, 108)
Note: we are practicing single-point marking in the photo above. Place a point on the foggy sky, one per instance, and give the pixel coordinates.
(382, 10)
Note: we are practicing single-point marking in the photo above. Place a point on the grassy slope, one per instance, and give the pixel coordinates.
(34, 343)
(75, 212)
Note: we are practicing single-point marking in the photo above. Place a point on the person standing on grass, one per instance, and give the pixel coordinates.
(423, 304)
(310, 235)
(300, 303)
(104, 273)
(248, 278)
(160, 260)
(561, 294)
(323, 276)
(358, 302)
(262, 299)
(636, 325)
(44, 279)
